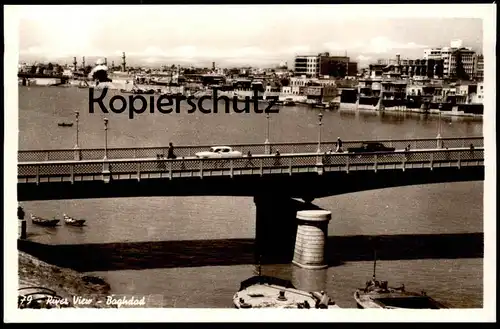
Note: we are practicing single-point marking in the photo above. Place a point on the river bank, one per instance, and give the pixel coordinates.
(67, 283)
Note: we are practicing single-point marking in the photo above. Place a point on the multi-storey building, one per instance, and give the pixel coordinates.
(479, 67)
(325, 65)
(307, 65)
(449, 55)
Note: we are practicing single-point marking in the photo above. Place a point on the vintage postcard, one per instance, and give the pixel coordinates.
(301, 162)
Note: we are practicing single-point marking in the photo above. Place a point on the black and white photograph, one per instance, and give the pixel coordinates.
(196, 160)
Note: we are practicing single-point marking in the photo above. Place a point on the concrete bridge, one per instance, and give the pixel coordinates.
(274, 182)
(299, 175)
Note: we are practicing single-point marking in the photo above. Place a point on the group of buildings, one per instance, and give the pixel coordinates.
(443, 78)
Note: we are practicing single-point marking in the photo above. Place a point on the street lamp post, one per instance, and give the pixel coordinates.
(438, 137)
(77, 154)
(267, 146)
(320, 117)
(105, 138)
(77, 114)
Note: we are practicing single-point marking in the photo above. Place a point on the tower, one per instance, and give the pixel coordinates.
(105, 61)
(213, 66)
(83, 61)
(112, 64)
(124, 63)
(74, 63)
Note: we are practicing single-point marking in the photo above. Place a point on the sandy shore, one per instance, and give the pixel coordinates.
(66, 282)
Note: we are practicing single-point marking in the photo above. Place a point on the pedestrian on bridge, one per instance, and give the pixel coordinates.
(170, 152)
(277, 158)
(339, 145)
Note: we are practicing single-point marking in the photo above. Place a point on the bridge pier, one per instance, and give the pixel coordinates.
(310, 244)
(276, 227)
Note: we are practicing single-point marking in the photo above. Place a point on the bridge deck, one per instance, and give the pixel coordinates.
(291, 164)
(284, 148)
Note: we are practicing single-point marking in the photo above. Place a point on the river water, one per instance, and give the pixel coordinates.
(416, 211)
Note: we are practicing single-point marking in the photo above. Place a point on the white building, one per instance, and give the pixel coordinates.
(447, 54)
(307, 65)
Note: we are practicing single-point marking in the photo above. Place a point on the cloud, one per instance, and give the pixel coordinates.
(334, 46)
(382, 44)
(362, 58)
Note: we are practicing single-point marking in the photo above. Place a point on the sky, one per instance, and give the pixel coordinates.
(231, 35)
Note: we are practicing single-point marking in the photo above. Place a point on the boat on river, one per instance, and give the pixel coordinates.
(73, 221)
(377, 294)
(65, 124)
(271, 292)
(138, 91)
(43, 221)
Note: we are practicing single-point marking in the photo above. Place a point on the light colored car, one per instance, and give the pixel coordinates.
(219, 152)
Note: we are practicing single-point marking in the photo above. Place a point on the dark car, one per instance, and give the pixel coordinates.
(371, 147)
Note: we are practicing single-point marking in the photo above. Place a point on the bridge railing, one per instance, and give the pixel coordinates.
(188, 151)
(57, 171)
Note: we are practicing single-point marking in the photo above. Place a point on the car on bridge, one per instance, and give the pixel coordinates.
(219, 152)
(371, 147)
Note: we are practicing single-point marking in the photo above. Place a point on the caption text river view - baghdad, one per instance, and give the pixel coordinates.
(164, 102)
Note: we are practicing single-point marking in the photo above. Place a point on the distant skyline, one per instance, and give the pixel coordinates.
(228, 35)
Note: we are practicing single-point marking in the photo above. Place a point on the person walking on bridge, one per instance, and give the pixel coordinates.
(170, 152)
(339, 145)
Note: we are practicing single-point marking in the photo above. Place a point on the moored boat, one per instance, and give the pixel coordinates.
(65, 124)
(377, 294)
(288, 102)
(271, 292)
(44, 222)
(73, 221)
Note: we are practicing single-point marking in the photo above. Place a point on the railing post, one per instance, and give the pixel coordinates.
(404, 163)
(319, 164)
(375, 163)
(432, 161)
(77, 154)
(170, 169)
(47, 155)
(37, 174)
(138, 171)
(106, 174)
(135, 153)
(72, 173)
(347, 163)
(231, 168)
(290, 166)
(459, 160)
(261, 166)
(201, 168)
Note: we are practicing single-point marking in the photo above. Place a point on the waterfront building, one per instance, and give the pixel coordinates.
(320, 94)
(478, 67)
(325, 65)
(408, 68)
(450, 56)
(306, 65)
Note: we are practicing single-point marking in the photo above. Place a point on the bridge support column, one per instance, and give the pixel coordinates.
(311, 238)
(276, 227)
(309, 280)
(23, 230)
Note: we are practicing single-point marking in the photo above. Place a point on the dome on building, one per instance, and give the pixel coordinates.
(100, 61)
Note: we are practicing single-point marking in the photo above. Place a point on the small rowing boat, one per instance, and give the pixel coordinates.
(73, 221)
(43, 221)
(65, 124)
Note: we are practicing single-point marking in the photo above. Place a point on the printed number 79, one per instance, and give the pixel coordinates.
(27, 299)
